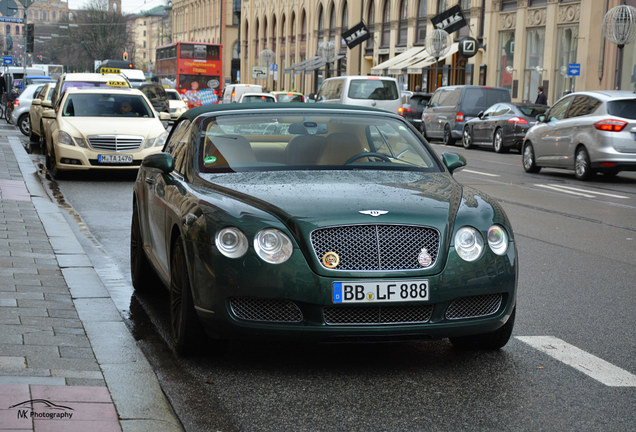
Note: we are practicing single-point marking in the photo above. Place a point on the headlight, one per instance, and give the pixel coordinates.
(273, 246)
(231, 242)
(64, 138)
(161, 139)
(497, 239)
(468, 243)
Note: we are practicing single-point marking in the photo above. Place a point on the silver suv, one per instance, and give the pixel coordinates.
(588, 132)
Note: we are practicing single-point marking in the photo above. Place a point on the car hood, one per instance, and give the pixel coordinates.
(146, 127)
(306, 200)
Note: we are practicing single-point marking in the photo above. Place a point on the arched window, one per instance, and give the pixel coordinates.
(385, 39)
(403, 24)
(371, 25)
(257, 48)
(293, 28)
(303, 27)
(321, 24)
(344, 25)
(420, 25)
(265, 33)
(283, 32)
(332, 23)
(273, 34)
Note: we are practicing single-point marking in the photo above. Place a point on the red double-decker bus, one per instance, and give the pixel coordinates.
(195, 69)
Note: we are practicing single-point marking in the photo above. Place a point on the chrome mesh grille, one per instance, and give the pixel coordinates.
(343, 315)
(376, 247)
(115, 142)
(474, 307)
(265, 310)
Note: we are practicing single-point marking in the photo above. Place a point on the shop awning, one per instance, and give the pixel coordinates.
(379, 69)
(400, 67)
(416, 68)
(300, 66)
(321, 62)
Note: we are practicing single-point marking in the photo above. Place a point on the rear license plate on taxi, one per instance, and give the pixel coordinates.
(380, 291)
(114, 158)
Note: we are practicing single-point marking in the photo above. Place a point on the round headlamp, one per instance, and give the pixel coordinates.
(468, 243)
(231, 242)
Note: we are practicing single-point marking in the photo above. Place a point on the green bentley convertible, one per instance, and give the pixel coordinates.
(318, 222)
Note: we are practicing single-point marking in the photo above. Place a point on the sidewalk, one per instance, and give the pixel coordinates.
(67, 360)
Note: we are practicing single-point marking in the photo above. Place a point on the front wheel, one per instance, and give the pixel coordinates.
(467, 138)
(487, 341)
(582, 167)
(528, 160)
(184, 324)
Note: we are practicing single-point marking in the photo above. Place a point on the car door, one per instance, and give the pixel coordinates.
(547, 136)
(482, 127)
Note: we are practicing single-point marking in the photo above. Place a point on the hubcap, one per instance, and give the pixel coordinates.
(528, 157)
(498, 140)
(581, 164)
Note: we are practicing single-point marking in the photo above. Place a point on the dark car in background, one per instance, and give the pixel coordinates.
(502, 126)
(413, 107)
(451, 107)
(157, 96)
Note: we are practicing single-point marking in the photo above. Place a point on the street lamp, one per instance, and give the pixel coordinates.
(619, 28)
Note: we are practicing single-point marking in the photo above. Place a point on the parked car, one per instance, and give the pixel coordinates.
(21, 107)
(101, 128)
(157, 96)
(177, 104)
(341, 224)
(91, 80)
(40, 102)
(587, 132)
(450, 107)
(232, 92)
(502, 126)
(413, 107)
(371, 91)
(257, 98)
(288, 96)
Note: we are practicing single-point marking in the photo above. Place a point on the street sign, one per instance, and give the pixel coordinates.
(259, 72)
(12, 20)
(7, 60)
(468, 47)
(8, 8)
(574, 69)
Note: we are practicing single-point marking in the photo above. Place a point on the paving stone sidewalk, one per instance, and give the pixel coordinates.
(67, 360)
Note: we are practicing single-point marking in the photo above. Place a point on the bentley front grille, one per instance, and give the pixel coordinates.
(377, 247)
(474, 307)
(265, 310)
(369, 315)
(116, 142)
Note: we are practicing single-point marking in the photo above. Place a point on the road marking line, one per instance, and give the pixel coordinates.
(564, 191)
(592, 366)
(591, 191)
(481, 173)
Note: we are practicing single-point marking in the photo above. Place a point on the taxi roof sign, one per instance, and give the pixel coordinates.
(117, 84)
(106, 70)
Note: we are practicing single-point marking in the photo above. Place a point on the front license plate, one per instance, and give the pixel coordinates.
(381, 291)
(115, 158)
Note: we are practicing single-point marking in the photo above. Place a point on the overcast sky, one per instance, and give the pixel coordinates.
(128, 6)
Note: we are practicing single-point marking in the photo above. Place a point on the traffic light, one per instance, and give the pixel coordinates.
(30, 37)
(125, 56)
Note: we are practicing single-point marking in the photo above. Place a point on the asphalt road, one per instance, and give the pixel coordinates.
(569, 367)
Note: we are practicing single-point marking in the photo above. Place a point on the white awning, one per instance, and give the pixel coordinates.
(320, 63)
(300, 66)
(398, 68)
(379, 69)
(416, 68)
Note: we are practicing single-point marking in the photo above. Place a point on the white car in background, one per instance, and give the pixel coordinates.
(177, 104)
(257, 98)
(21, 107)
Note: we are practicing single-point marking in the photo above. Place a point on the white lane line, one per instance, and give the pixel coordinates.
(592, 366)
(558, 189)
(481, 173)
(590, 191)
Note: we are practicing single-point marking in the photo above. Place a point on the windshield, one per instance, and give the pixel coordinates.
(257, 98)
(290, 97)
(310, 140)
(533, 111)
(106, 105)
(377, 89)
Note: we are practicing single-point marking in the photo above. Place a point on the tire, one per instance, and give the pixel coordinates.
(185, 328)
(54, 170)
(528, 159)
(582, 167)
(423, 130)
(24, 124)
(448, 138)
(487, 341)
(467, 138)
(33, 138)
(497, 142)
(143, 276)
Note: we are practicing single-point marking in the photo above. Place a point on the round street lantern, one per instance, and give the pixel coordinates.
(438, 43)
(619, 27)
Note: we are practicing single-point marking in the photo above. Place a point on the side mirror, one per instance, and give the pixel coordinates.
(36, 102)
(161, 161)
(164, 116)
(481, 114)
(48, 114)
(47, 104)
(541, 118)
(453, 161)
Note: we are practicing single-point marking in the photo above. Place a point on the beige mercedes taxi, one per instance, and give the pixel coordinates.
(101, 128)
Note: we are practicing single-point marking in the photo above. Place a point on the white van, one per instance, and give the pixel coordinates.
(232, 92)
(372, 91)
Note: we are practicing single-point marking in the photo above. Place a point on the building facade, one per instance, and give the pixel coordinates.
(149, 30)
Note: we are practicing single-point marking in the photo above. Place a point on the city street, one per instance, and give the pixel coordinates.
(569, 366)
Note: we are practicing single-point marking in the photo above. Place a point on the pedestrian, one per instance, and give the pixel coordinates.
(418, 88)
(542, 99)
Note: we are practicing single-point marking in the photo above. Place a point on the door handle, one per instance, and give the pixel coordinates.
(150, 180)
